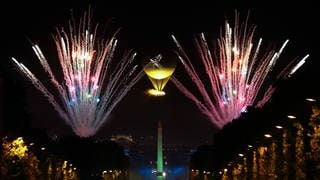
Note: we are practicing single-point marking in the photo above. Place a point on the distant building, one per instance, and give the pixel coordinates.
(123, 140)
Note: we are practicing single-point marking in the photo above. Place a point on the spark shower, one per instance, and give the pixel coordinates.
(235, 75)
(94, 81)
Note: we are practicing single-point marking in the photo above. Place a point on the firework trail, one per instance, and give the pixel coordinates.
(94, 82)
(235, 75)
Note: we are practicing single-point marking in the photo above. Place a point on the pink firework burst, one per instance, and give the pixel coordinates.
(94, 81)
(234, 75)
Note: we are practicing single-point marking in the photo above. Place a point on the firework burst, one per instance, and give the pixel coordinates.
(94, 81)
(235, 74)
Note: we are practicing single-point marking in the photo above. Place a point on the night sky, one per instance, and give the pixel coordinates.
(147, 28)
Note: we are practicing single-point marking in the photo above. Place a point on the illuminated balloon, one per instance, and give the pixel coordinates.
(159, 74)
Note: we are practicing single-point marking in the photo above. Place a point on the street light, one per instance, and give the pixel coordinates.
(310, 100)
(267, 135)
(291, 116)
